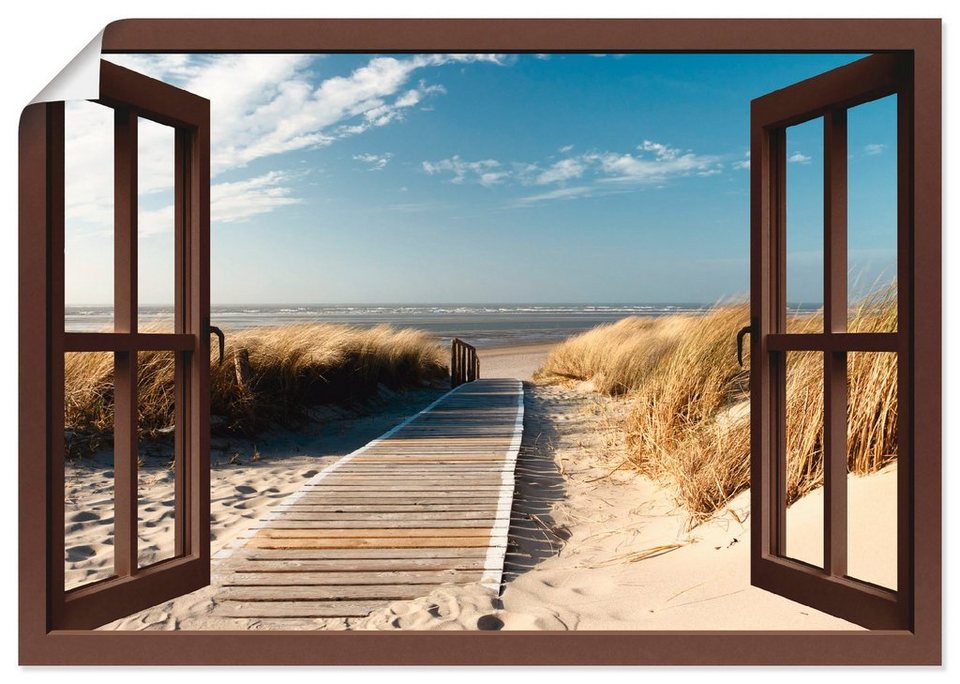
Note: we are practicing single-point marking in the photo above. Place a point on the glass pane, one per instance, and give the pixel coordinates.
(88, 446)
(872, 216)
(157, 482)
(804, 435)
(155, 216)
(88, 216)
(872, 462)
(804, 226)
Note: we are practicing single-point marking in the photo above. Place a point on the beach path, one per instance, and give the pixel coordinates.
(426, 504)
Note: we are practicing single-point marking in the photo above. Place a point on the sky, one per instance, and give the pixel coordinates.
(487, 178)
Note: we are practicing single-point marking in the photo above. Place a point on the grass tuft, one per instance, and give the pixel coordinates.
(269, 377)
(689, 419)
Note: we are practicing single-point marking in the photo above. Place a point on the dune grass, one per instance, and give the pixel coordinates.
(269, 377)
(688, 422)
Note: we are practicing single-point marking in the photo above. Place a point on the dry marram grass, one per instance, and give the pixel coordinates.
(689, 421)
(269, 376)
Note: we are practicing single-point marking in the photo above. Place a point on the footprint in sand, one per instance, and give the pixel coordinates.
(245, 489)
(84, 516)
(309, 474)
(489, 623)
(75, 554)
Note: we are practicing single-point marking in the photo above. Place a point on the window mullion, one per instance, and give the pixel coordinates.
(125, 447)
(835, 362)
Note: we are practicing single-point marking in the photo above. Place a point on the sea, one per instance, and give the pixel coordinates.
(482, 325)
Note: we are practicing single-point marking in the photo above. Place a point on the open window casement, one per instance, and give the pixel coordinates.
(825, 584)
(131, 586)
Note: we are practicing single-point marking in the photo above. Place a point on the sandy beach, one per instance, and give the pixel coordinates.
(512, 362)
(593, 544)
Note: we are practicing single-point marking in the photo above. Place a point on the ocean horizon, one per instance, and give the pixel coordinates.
(483, 325)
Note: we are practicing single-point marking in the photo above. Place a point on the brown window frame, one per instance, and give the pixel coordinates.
(132, 96)
(827, 96)
(918, 644)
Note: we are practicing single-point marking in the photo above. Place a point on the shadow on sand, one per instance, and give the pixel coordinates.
(534, 534)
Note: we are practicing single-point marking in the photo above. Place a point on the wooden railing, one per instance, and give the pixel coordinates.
(464, 363)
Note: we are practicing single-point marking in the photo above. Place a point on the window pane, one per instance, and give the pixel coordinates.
(804, 229)
(155, 248)
(872, 212)
(804, 436)
(88, 442)
(872, 462)
(88, 216)
(156, 474)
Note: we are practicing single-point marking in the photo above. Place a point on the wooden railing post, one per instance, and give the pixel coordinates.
(464, 363)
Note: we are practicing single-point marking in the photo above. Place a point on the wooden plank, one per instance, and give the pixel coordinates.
(402, 476)
(425, 469)
(371, 543)
(293, 523)
(413, 500)
(357, 554)
(355, 565)
(383, 592)
(432, 488)
(395, 507)
(299, 609)
(373, 533)
(487, 518)
(408, 498)
(373, 504)
(379, 578)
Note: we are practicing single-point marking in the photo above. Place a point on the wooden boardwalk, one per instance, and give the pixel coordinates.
(426, 504)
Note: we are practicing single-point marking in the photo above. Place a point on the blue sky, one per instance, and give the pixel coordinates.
(479, 178)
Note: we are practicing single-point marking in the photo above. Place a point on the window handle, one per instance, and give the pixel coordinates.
(220, 339)
(740, 335)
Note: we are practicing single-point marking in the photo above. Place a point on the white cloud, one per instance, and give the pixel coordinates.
(88, 162)
(572, 192)
(89, 173)
(261, 105)
(653, 164)
(156, 221)
(239, 200)
(874, 149)
(664, 163)
(743, 163)
(565, 149)
(376, 162)
(487, 172)
(660, 150)
(561, 171)
(799, 158)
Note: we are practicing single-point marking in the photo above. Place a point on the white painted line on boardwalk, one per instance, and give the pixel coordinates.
(241, 539)
(496, 554)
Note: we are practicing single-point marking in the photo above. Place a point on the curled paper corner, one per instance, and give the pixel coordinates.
(79, 79)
